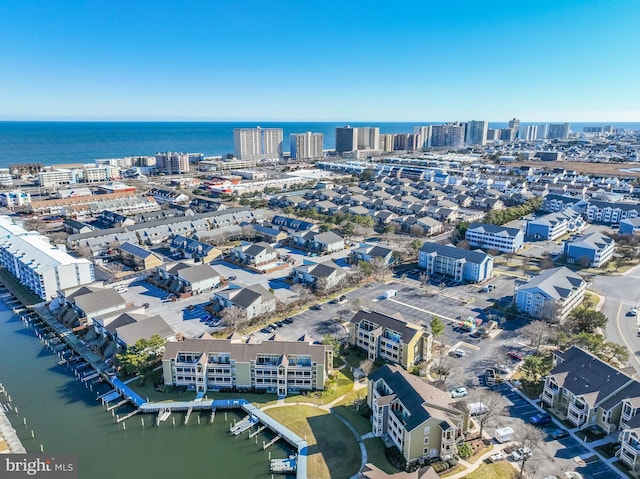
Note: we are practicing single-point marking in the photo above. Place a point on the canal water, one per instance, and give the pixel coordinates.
(66, 418)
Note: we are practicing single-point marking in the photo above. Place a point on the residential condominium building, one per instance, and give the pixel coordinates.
(559, 131)
(611, 213)
(551, 295)
(420, 419)
(281, 367)
(172, 162)
(38, 265)
(592, 250)
(555, 225)
(449, 135)
(258, 143)
(425, 135)
(589, 392)
(455, 263)
(12, 199)
(476, 133)
(390, 338)
(306, 146)
(501, 238)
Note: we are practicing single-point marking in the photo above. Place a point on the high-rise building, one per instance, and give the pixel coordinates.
(406, 141)
(543, 131)
(507, 134)
(385, 142)
(493, 134)
(306, 146)
(368, 138)
(172, 162)
(476, 133)
(528, 133)
(514, 124)
(449, 135)
(425, 135)
(346, 139)
(559, 131)
(258, 143)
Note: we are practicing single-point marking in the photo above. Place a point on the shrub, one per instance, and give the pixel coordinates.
(440, 466)
(465, 451)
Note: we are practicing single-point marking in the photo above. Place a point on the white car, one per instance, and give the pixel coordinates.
(459, 352)
(634, 311)
(520, 453)
(459, 392)
(121, 289)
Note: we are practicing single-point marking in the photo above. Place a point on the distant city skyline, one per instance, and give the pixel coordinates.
(546, 61)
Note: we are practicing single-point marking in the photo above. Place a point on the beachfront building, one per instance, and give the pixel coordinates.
(592, 250)
(455, 263)
(551, 295)
(12, 199)
(500, 238)
(420, 419)
(390, 338)
(281, 367)
(39, 265)
(258, 143)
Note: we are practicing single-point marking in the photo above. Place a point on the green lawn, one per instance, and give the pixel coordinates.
(357, 420)
(339, 387)
(333, 451)
(499, 470)
(375, 455)
(148, 391)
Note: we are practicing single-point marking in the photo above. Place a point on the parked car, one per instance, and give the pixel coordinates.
(121, 289)
(459, 392)
(287, 320)
(558, 433)
(265, 330)
(459, 352)
(521, 453)
(316, 307)
(502, 369)
(232, 278)
(515, 355)
(540, 419)
(633, 311)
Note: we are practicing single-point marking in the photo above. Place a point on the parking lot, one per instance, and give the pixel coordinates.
(556, 455)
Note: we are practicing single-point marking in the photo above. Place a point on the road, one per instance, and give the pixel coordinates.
(621, 294)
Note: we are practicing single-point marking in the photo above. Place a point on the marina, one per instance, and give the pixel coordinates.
(74, 357)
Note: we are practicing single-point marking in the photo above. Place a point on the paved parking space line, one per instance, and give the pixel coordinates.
(422, 310)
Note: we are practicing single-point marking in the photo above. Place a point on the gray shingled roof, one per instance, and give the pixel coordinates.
(453, 252)
(584, 374)
(200, 272)
(397, 324)
(328, 237)
(144, 329)
(99, 300)
(594, 240)
(135, 250)
(556, 282)
(494, 229)
(414, 394)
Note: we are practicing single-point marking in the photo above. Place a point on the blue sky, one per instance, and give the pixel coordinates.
(547, 60)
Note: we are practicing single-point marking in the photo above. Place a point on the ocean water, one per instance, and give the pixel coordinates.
(53, 143)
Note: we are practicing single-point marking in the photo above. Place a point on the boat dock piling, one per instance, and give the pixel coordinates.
(243, 425)
(272, 442)
(187, 416)
(257, 431)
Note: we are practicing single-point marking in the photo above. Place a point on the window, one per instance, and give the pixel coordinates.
(426, 440)
(427, 431)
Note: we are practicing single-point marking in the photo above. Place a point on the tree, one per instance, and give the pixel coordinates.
(526, 262)
(584, 261)
(460, 231)
(614, 352)
(533, 368)
(463, 244)
(437, 327)
(588, 320)
(303, 292)
(537, 332)
(363, 270)
(590, 342)
(248, 232)
(142, 355)
(413, 247)
(388, 229)
(234, 317)
(379, 268)
(546, 262)
(492, 402)
(348, 229)
(530, 439)
(416, 230)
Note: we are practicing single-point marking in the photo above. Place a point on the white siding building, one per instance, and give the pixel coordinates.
(37, 264)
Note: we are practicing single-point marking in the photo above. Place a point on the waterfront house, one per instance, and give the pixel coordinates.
(281, 367)
(455, 263)
(551, 295)
(592, 250)
(419, 419)
(390, 338)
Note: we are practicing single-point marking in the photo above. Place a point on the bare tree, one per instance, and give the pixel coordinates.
(303, 292)
(530, 439)
(380, 269)
(537, 332)
(416, 230)
(234, 317)
(490, 404)
(248, 232)
(526, 263)
(84, 252)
